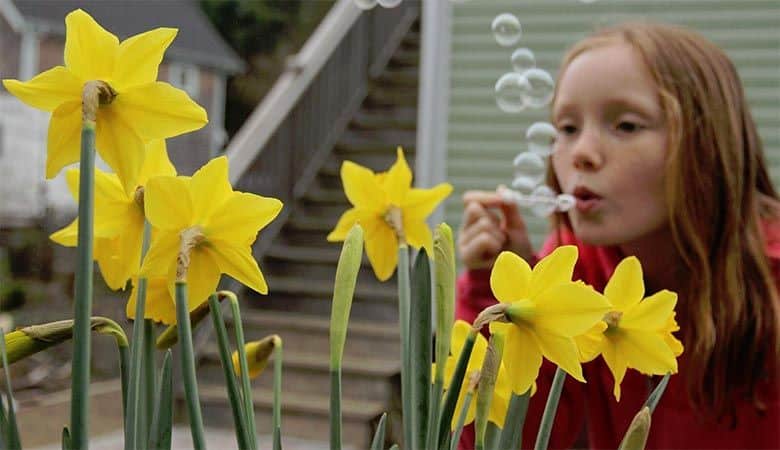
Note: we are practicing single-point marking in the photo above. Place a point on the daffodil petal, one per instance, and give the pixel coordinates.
(162, 254)
(361, 188)
(120, 147)
(202, 278)
(67, 236)
(47, 90)
(648, 353)
(119, 257)
(242, 216)
(555, 268)
(238, 262)
(210, 189)
(651, 313)
(140, 56)
(626, 287)
(382, 251)
(167, 203)
(420, 203)
(156, 163)
(114, 210)
(460, 329)
(569, 309)
(616, 363)
(522, 358)
(418, 235)
(346, 222)
(159, 307)
(591, 342)
(398, 180)
(510, 277)
(674, 344)
(90, 50)
(562, 351)
(498, 405)
(64, 137)
(159, 111)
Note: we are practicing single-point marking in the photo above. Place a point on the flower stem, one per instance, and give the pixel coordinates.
(277, 405)
(404, 294)
(543, 438)
(451, 398)
(249, 409)
(82, 308)
(188, 367)
(421, 349)
(461, 420)
(512, 434)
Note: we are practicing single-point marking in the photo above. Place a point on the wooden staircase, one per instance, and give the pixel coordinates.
(300, 265)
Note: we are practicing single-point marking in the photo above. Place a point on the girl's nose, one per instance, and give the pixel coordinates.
(587, 153)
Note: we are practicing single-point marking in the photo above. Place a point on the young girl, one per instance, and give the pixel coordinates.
(656, 142)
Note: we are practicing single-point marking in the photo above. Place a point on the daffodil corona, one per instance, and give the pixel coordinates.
(215, 225)
(390, 211)
(546, 310)
(135, 110)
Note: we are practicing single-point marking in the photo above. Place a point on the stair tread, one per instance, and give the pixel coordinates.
(352, 409)
(301, 321)
(372, 366)
(307, 254)
(325, 288)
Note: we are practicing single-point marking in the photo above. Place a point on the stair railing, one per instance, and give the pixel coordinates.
(285, 141)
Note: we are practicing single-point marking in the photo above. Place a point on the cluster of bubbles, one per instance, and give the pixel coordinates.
(369, 4)
(528, 86)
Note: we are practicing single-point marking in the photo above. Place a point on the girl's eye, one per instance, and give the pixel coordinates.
(628, 127)
(567, 129)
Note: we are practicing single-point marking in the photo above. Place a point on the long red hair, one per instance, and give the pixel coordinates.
(718, 193)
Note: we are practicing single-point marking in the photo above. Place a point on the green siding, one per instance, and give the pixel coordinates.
(482, 140)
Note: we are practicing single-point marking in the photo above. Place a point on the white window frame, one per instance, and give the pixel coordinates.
(185, 76)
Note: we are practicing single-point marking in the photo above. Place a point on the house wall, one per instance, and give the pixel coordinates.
(482, 140)
(9, 51)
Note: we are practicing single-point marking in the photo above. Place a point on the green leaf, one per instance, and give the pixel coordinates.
(451, 398)
(66, 445)
(377, 443)
(11, 426)
(655, 396)
(550, 408)
(461, 420)
(512, 434)
(162, 422)
(404, 300)
(487, 383)
(636, 435)
(421, 348)
(277, 404)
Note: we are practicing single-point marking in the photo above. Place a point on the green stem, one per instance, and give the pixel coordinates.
(404, 294)
(461, 420)
(437, 389)
(124, 371)
(249, 409)
(451, 398)
(487, 382)
(421, 348)
(655, 396)
(512, 434)
(543, 438)
(239, 418)
(188, 367)
(277, 405)
(82, 307)
(149, 384)
(133, 428)
(335, 408)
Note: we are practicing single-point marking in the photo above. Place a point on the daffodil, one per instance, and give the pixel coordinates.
(546, 310)
(636, 332)
(119, 217)
(220, 225)
(502, 390)
(138, 110)
(159, 306)
(257, 355)
(390, 211)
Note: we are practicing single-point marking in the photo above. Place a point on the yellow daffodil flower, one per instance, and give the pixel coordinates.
(160, 305)
(636, 333)
(222, 223)
(389, 210)
(502, 389)
(119, 217)
(257, 355)
(141, 110)
(546, 309)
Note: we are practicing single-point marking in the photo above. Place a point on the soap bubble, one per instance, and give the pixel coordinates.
(541, 90)
(506, 29)
(365, 4)
(565, 202)
(545, 201)
(540, 137)
(389, 3)
(530, 170)
(511, 92)
(523, 59)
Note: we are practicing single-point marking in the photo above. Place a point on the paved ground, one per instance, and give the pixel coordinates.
(218, 439)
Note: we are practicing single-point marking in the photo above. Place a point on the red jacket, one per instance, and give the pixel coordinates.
(675, 425)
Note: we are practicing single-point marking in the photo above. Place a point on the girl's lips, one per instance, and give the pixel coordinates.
(587, 200)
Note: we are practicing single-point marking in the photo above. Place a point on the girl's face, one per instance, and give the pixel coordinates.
(611, 146)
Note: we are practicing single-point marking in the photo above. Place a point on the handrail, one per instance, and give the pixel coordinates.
(300, 71)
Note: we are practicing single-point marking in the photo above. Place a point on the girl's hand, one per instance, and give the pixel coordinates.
(490, 225)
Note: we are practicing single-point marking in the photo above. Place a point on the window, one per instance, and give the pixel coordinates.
(186, 77)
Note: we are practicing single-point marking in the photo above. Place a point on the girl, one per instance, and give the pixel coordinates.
(656, 142)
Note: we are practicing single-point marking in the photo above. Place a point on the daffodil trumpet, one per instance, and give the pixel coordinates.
(234, 394)
(453, 391)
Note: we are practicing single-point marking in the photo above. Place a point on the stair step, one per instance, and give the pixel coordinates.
(397, 96)
(406, 56)
(375, 141)
(362, 309)
(308, 270)
(326, 196)
(307, 255)
(303, 416)
(319, 224)
(365, 290)
(404, 118)
(305, 373)
(318, 325)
